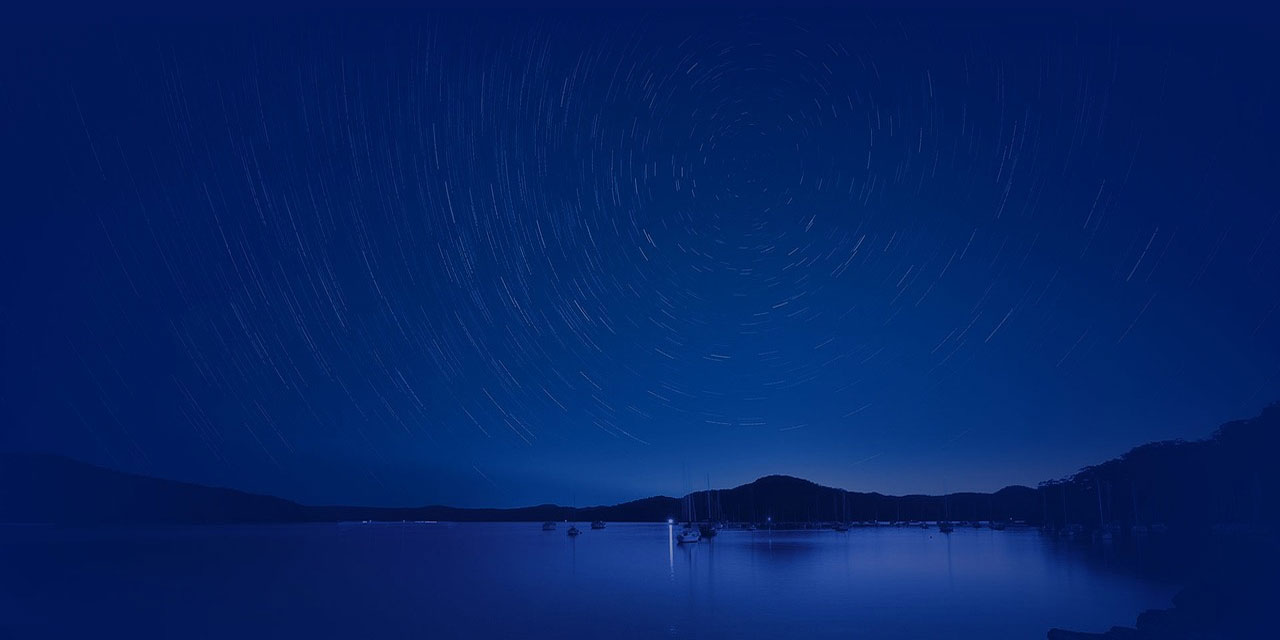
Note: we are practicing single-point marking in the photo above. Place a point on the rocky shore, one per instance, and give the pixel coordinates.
(1198, 613)
(1233, 597)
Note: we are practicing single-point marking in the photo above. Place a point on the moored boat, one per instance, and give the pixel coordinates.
(688, 535)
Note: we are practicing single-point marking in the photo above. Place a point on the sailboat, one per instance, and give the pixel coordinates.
(708, 529)
(945, 526)
(573, 528)
(843, 525)
(689, 533)
(1104, 532)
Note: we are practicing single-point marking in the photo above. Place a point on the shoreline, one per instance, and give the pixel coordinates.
(1230, 591)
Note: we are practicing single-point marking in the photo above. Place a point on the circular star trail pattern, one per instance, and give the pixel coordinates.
(505, 260)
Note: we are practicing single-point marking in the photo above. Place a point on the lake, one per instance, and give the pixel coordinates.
(512, 580)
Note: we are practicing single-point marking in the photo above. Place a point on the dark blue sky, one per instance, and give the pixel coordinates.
(499, 260)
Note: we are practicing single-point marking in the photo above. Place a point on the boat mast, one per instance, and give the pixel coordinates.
(1133, 493)
(1044, 506)
(1102, 520)
(708, 498)
(1065, 517)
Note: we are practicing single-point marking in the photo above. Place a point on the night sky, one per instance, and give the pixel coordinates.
(503, 259)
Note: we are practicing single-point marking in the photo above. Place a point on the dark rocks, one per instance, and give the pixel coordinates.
(1199, 613)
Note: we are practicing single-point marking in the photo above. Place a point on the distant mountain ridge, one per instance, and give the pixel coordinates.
(1225, 476)
(45, 488)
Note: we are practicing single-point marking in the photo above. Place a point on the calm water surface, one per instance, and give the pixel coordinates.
(516, 581)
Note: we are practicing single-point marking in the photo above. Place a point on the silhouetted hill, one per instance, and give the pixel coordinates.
(47, 488)
(1223, 479)
(794, 500)
(43, 488)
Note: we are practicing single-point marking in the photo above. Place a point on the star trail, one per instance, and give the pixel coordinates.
(487, 259)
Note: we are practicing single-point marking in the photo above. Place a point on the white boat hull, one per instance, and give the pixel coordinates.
(688, 536)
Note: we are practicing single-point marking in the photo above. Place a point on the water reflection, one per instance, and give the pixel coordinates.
(671, 549)
(951, 574)
(451, 580)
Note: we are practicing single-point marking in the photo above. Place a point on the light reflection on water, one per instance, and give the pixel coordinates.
(671, 548)
(514, 580)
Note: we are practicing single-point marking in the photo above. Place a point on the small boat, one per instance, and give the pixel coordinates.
(688, 534)
(598, 524)
(946, 527)
(548, 526)
(840, 526)
(573, 531)
(998, 525)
